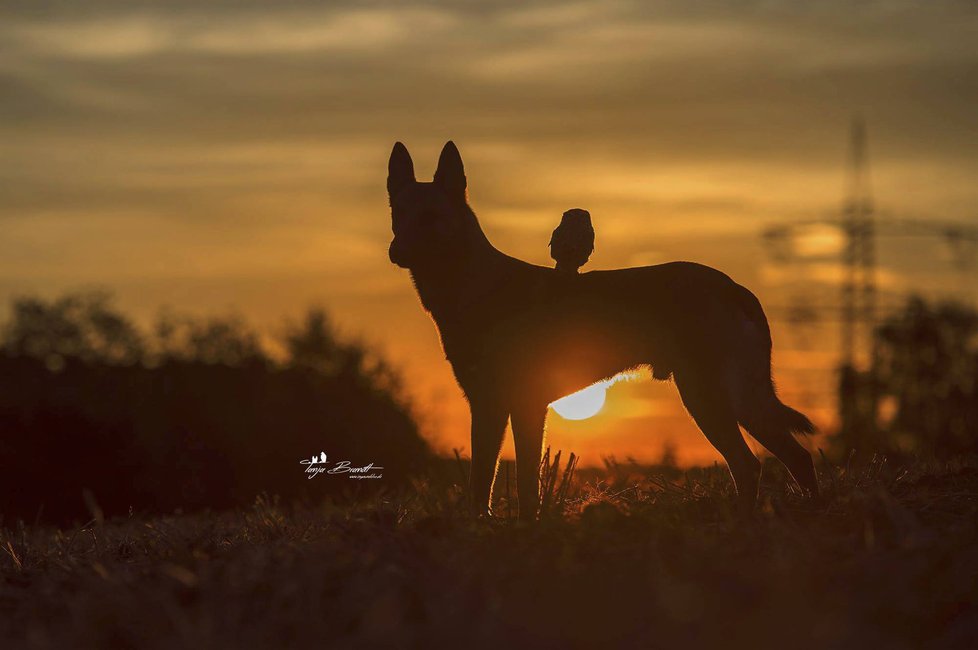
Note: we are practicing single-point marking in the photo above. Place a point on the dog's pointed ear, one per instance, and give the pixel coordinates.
(450, 174)
(400, 169)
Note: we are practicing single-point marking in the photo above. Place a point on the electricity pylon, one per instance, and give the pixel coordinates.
(859, 292)
(859, 256)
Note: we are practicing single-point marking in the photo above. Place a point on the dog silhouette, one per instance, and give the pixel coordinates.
(520, 336)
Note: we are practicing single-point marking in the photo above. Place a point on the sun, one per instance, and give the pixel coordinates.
(582, 404)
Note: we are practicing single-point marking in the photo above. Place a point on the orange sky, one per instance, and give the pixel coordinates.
(216, 158)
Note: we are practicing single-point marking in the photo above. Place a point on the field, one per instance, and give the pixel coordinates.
(627, 557)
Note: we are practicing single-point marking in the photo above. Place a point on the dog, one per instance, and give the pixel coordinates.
(520, 336)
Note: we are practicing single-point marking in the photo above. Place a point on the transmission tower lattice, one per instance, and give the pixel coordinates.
(860, 224)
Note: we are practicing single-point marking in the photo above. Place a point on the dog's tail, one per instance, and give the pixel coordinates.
(790, 419)
(763, 411)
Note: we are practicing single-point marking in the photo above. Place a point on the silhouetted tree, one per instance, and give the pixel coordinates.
(216, 340)
(927, 380)
(313, 343)
(81, 326)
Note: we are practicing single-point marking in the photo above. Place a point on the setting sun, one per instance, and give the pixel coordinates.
(583, 404)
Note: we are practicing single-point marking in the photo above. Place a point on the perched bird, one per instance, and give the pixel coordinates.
(572, 241)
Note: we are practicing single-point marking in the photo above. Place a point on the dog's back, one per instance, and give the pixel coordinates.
(559, 333)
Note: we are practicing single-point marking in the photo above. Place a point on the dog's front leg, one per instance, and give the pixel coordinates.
(488, 426)
(528, 424)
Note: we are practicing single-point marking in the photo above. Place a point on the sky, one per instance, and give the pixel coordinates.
(220, 157)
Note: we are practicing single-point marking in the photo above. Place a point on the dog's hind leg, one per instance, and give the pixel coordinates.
(771, 424)
(488, 427)
(528, 425)
(759, 410)
(789, 451)
(708, 401)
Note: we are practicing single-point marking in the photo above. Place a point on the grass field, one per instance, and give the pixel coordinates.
(627, 557)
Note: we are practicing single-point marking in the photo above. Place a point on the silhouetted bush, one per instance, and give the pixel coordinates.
(925, 385)
(196, 416)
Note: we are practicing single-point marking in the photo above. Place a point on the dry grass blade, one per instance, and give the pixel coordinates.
(553, 497)
(461, 468)
(13, 555)
(509, 499)
(565, 480)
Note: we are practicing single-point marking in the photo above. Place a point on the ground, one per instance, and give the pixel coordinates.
(627, 557)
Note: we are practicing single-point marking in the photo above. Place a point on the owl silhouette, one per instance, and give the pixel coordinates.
(572, 241)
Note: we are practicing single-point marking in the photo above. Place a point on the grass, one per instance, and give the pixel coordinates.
(624, 557)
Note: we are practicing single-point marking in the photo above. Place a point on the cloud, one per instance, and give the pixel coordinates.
(627, 106)
(269, 33)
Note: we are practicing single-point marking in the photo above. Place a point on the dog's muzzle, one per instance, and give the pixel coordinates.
(396, 253)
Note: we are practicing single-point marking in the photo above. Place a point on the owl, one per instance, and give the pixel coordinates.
(572, 241)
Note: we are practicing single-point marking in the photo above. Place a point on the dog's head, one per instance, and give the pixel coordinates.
(427, 218)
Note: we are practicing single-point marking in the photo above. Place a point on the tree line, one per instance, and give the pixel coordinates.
(101, 416)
